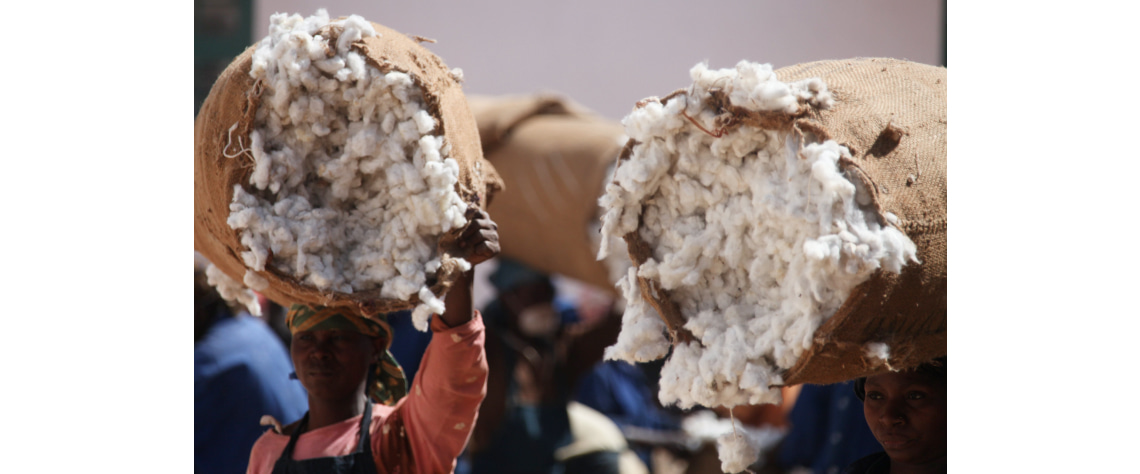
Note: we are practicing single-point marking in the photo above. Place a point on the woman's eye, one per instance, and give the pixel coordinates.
(916, 395)
(874, 395)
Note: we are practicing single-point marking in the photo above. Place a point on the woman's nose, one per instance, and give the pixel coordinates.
(893, 413)
(321, 350)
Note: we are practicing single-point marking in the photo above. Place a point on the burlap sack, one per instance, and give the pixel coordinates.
(553, 156)
(234, 99)
(891, 114)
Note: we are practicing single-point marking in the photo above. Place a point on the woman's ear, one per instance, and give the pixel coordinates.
(379, 345)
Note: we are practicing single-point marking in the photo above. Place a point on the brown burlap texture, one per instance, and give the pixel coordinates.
(553, 156)
(234, 99)
(891, 114)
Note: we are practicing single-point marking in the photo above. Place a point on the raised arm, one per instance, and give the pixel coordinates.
(477, 243)
(436, 418)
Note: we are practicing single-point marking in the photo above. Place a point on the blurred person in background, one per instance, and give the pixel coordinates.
(906, 412)
(537, 351)
(624, 392)
(241, 372)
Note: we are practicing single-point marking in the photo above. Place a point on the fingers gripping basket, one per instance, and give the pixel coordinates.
(232, 142)
(858, 283)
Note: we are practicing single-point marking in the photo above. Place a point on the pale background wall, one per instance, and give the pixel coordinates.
(608, 54)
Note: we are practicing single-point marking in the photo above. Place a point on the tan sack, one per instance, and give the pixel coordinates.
(553, 156)
(892, 115)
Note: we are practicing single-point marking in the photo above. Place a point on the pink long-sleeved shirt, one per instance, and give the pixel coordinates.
(424, 431)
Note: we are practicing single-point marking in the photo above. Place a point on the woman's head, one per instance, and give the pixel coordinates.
(334, 351)
(906, 412)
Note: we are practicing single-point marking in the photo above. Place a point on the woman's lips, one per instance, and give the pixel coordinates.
(894, 442)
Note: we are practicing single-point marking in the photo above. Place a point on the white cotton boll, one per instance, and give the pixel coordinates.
(355, 63)
(407, 131)
(232, 291)
(736, 453)
(420, 316)
(462, 263)
(424, 122)
(639, 123)
(877, 351)
(433, 302)
(355, 28)
(429, 305)
(254, 281)
(642, 335)
(330, 65)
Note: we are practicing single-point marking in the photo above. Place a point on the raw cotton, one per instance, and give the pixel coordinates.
(352, 182)
(757, 232)
(738, 445)
(231, 290)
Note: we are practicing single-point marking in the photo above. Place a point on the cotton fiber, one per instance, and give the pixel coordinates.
(231, 290)
(757, 233)
(738, 445)
(352, 182)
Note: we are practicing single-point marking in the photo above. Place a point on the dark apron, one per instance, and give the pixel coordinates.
(359, 462)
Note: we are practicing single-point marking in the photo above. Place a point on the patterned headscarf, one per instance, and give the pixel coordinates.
(387, 383)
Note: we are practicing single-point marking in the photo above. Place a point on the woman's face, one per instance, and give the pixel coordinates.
(332, 364)
(906, 412)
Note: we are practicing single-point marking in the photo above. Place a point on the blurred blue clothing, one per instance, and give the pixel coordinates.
(408, 343)
(241, 372)
(622, 392)
(828, 431)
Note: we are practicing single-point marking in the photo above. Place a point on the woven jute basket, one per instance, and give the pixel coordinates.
(234, 99)
(553, 156)
(891, 115)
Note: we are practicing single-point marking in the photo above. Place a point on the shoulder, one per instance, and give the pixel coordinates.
(265, 452)
(871, 464)
(288, 430)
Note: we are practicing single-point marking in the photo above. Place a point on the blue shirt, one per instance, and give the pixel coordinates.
(828, 430)
(241, 372)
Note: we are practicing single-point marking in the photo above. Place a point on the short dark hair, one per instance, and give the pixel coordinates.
(935, 368)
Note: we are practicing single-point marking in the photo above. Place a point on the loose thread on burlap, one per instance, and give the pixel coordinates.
(241, 146)
(718, 134)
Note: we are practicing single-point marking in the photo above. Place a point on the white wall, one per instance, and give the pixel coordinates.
(608, 54)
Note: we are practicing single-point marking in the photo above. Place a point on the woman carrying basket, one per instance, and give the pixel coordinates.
(359, 419)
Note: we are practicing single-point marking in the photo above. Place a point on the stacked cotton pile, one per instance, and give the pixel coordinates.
(352, 182)
(758, 235)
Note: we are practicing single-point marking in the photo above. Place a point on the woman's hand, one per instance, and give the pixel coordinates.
(476, 242)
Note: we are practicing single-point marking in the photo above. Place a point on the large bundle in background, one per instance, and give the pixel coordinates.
(331, 161)
(554, 157)
(758, 205)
